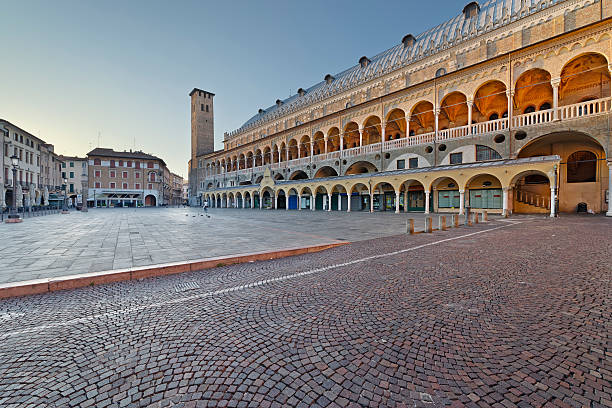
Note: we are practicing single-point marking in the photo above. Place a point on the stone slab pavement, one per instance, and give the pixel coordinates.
(107, 239)
(507, 314)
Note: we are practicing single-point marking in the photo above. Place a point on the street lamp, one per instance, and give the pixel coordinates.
(84, 188)
(14, 215)
(64, 207)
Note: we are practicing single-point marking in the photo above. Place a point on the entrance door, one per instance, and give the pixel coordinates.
(416, 200)
(293, 202)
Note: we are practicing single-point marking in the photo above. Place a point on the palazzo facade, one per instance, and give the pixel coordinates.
(505, 107)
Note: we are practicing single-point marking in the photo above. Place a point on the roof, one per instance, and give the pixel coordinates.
(200, 90)
(492, 15)
(100, 151)
(74, 158)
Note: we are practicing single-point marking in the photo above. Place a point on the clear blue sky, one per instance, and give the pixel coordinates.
(71, 69)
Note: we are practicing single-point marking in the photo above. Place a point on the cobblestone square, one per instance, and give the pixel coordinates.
(501, 314)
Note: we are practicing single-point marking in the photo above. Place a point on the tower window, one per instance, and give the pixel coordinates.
(206, 108)
(202, 107)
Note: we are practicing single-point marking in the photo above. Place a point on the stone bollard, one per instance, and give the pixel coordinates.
(442, 223)
(428, 224)
(468, 219)
(410, 226)
(485, 216)
(476, 215)
(455, 220)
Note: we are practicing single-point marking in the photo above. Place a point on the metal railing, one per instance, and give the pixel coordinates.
(26, 212)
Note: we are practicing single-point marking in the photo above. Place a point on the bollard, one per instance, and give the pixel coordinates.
(476, 218)
(428, 223)
(442, 223)
(468, 219)
(485, 216)
(456, 220)
(410, 226)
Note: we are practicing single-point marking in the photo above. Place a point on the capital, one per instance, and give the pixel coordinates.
(509, 93)
(470, 103)
(555, 82)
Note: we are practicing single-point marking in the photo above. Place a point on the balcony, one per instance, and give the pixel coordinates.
(561, 114)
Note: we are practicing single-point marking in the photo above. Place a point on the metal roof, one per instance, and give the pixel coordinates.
(492, 15)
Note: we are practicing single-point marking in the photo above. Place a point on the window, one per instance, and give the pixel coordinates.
(401, 164)
(206, 108)
(71, 164)
(112, 163)
(137, 165)
(112, 174)
(529, 109)
(97, 174)
(456, 158)
(72, 174)
(63, 174)
(581, 167)
(137, 174)
(97, 162)
(71, 188)
(120, 163)
(137, 186)
(129, 164)
(486, 153)
(150, 165)
(125, 174)
(97, 184)
(202, 107)
(112, 184)
(125, 186)
(413, 163)
(150, 186)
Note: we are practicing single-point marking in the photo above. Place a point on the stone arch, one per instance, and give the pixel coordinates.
(298, 175)
(234, 163)
(318, 144)
(333, 139)
(258, 157)
(339, 198)
(422, 118)
(241, 161)
(361, 167)
(293, 149)
(412, 195)
(281, 199)
(490, 102)
(395, 126)
(383, 194)
(275, 156)
(321, 198)
(249, 160)
(351, 135)
(360, 196)
(453, 111)
(258, 179)
(283, 151)
(305, 146)
(279, 176)
(483, 191)
(532, 90)
(585, 77)
(267, 155)
(372, 130)
(326, 171)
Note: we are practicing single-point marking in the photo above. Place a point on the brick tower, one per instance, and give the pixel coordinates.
(202, 134)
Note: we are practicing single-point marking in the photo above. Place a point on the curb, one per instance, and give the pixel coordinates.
(47, 285)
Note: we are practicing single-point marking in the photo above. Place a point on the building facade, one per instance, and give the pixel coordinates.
(505, 107)
(74, 171)
(126, 179)
(176, 188)
(38, 170)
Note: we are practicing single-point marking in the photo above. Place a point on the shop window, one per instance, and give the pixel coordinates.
(581, 167)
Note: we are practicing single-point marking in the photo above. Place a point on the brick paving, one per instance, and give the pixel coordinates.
(496, 315)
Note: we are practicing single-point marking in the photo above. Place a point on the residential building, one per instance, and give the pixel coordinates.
(176, 197)
(74, 171)
(504, 108)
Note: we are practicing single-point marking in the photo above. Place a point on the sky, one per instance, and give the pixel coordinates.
(117, 74)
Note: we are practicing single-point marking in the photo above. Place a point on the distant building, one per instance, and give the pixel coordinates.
(127, 179)
(74, 171)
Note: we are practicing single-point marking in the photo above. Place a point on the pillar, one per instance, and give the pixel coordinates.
(348, 202)
(287, 202)
(299, 151)
(312, 202)
(609, 212)
(406, 201)
(427, 202)
(437, 113)
(371, 202)
(287, 152)
(261, 201)
(311, 150)
(325, 144)
(505, 201)
(407, 125)
(397, 202)
(470, 104)
(555, 86)
(339, 201)
(299, 202)
(341, 143)
(276, 201)
(252, 201)
(329, 202)
(510, 97)
(462, 201)
(383, 127)
(243, 202)
(553, 193)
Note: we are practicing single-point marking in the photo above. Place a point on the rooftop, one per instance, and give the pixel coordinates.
(101, 151)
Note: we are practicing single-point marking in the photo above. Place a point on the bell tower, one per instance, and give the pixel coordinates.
(202, 124)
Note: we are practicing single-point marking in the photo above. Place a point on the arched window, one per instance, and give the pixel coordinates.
(529, 109)
(486, 153)
(494, 116)
(545, 106)
(581, 167)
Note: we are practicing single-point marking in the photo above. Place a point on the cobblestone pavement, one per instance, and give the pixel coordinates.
(105, 239)
(495, 315)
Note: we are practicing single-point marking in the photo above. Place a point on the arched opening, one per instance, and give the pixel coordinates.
(305, 146)
(339, 200)
(234, 163)
(283, 152)
(361, 167)
(281, 200)
(484, 192)
(372, 130)
(321, 199)
(445, 196)
(453, 111)
(351, 136)
(279, 176)
(396, 125)
(326, 171)
(360, 197)
(318, 146)
(293, 199)
(267, 197)
(298, 175)
(532, 89)
(383, 197)
(258, 158)
(485, 153)
(267, 155)
(150, 201)
(256, 199)
(306, 200)
(249, 160)
(293, 149)
(530, 193)
(241, 162)
(574, 166)
(422, 118)
(584, 78)
(412, 196)
(275, 156)
(333, 140)
(490, 102)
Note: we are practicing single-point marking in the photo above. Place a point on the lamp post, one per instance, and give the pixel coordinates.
(64, 207)
(14, 215)
(84, 188)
